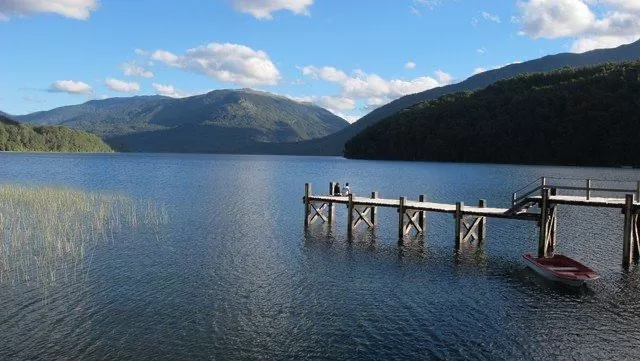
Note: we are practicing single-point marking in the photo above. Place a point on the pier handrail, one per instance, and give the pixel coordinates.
(588, 188)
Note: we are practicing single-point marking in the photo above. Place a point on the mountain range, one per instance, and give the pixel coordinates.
(221, 121)
(249, 121)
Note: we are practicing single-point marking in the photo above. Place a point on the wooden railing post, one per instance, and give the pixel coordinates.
(374, 195)
(588, 188)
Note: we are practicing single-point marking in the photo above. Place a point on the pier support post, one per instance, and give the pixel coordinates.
(401, 211)
(482, 226)
(331, 205)
(548, 221)
(422, 219)
(350, 224)
(307, 204)
(374, 195)
(458, 217)
(631, 236)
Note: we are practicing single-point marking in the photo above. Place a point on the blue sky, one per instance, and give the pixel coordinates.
(348, 56)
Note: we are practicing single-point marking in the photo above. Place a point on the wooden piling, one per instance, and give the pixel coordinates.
(482, 227)
(627, 246)
(544, 214)
(401, 211)
(458, 216)
(422, 218)
(374, 195)
(331, 205)
(350, 218)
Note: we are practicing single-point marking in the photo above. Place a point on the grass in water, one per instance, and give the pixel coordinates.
(47, 233)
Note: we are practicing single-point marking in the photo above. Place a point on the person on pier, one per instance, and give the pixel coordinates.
(346, 190)
(336, 189)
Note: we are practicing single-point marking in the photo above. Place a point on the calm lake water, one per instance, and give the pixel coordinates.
(234, 276)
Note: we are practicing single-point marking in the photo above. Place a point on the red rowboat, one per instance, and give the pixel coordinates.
(561, 269)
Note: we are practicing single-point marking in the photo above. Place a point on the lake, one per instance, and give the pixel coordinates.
(233, 275)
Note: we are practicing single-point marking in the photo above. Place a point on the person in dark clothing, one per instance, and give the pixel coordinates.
(336, 189)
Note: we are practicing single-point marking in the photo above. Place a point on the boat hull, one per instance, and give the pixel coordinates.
(561, 269)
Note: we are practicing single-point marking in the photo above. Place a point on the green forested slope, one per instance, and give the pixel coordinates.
(588, 116)
(19, 137)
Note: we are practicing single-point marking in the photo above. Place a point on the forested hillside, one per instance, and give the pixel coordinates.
(588, 116)
(19, 137)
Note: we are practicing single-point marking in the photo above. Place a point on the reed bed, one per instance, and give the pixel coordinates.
(47, 233)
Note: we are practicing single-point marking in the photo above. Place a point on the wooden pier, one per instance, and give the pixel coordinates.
(471, 221)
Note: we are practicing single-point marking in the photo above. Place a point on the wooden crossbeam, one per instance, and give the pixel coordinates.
(472, 230)
(362, 216)
(413, 222)
(318, 213)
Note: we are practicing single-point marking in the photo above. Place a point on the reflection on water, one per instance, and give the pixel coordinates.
(237, 277)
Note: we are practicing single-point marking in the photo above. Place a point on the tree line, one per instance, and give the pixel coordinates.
(585, 116)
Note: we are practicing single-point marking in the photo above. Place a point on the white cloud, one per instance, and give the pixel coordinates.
(302, 99)
(337, 103)
(599, 42)
(481, 51)
(122, 86)
(443, 78)
(410, 65)
(618, 22)
(349, 118)
(491, 17)
(327, 73)
(75, 9)
(229, 63)
(371, 89)
(141, 52)
(479, 70)
(262, 9)
(71, 87)
(133, 69)
(170, 91)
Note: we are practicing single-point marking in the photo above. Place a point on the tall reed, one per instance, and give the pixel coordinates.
(46, 232)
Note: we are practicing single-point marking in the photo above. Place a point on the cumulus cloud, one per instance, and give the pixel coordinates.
(122, 86)
(371, 89)
(70, 87)
(229, 63)
(75, 9)
(337, 103)
(410, 65)
(133, 69)
(262, 9)
(302, 99)
(618, 22)
(170, 91)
